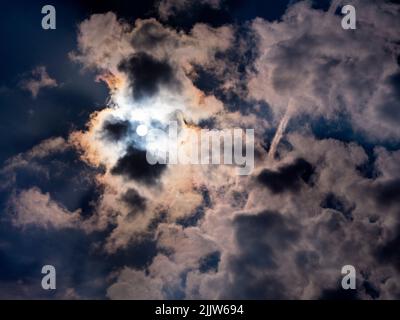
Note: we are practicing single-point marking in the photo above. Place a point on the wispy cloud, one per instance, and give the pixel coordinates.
(37, 80)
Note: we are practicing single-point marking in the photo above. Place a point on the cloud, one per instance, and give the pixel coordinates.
(339, 204)
(282, 252)
(39, 79)
(185, 250)
(150, 83)
(388, 253)
(386, 193)
(308, 57)
(33, 196)
(32, 207)
(168, 8)
(264, 234)
(115, 129)
(147, 74)
(133, 198)
(118, 40)
(286, 231)
(134, 165)
(29, 159)
(287, 177)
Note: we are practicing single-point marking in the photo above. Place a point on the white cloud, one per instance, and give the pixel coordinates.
(135, 285)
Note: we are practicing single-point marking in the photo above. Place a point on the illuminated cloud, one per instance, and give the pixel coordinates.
(150, 84)
(328, 71)
(313, 203)
(272, 239)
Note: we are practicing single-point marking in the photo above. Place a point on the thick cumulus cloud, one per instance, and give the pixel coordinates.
(150, 81)
(31, 177)
(114, 129)
(312, 204)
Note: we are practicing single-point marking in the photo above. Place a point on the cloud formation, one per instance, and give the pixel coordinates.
(38, 80)
(32, 207)
(329, 71)
(314, 202)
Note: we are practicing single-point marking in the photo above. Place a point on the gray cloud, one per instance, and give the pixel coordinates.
(303, 216)
(328, 70)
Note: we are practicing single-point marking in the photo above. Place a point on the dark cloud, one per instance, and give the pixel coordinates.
(195, 216)
(134, 165)
(334, 202)
(149, 35)
(390, 110)
(334, 223)
(389, 252)
(287, 178)
(184, 14)
(210, 262)
(288, 56)
(236, 60)
(264, 241)
(387, 193)
(394, 81)
(148, 74)
(134, 200)
(266, 227)
(115, 130)
(371, 290)
(368, 169)
(260, 238)
(250, 287)
(68, 181)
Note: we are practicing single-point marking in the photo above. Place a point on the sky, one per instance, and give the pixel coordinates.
(78, 193)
